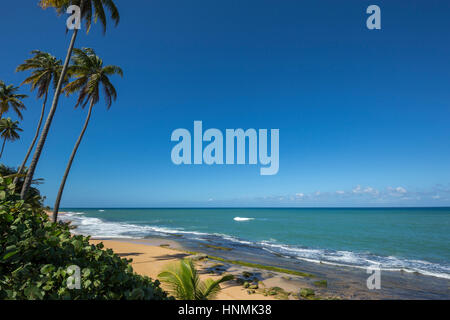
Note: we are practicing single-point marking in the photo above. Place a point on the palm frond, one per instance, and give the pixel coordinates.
(90, 75)
(92, 11)
(210, 288)
(178, 277)
(9, 129)
(184, 282)
(9, 99)
(45, 70)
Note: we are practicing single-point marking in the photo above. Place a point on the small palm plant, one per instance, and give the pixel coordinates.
(8, 131)
(185, 283)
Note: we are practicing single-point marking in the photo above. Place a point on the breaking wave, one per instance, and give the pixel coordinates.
(242, 219)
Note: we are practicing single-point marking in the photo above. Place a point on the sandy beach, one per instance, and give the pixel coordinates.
(150, 260)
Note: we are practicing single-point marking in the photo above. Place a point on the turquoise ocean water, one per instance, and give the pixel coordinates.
(408, 239)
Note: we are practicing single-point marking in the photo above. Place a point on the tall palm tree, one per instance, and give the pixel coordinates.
(45, 71)
(185, 284)
(9, 99)
(91, 10)
(90, 76)
(8, 131)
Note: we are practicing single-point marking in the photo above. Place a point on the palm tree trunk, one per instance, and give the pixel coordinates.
(34, 139)
(69, 164)
(48, 122)
(3, 147)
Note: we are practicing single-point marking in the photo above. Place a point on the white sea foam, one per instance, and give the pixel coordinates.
(99, 228)
(233, 239)
(359, 260)
(242, 219)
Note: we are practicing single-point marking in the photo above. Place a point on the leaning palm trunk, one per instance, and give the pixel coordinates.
(3, 147)
(69, 164)
(48, 122)
(34, 140)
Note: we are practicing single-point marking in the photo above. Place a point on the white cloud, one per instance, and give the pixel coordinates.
(367, 195)
(371, 190)
(400, 190)
(396, 192)
(366, 190)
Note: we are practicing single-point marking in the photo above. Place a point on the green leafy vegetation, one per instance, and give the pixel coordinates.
(33, 196)
(185, 283)
(35, 255)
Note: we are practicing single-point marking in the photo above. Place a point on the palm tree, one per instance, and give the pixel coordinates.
(45, 71)
(185, 284)
(10, 99)
(8, 131)
(90, 76)
(91, 10)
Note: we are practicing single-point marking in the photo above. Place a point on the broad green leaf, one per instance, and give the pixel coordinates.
(10, 254)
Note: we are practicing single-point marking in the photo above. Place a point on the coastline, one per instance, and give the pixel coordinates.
(149, 260)
(269, 270)
(326, 282)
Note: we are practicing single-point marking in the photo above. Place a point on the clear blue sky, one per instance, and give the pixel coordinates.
(363, 115)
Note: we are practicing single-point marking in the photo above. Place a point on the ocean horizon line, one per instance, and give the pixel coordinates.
(244, 207)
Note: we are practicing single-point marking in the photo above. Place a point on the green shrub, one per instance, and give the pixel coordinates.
(33, 196)
(35, 255)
